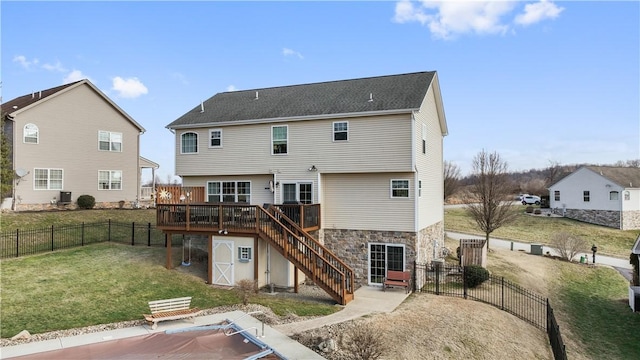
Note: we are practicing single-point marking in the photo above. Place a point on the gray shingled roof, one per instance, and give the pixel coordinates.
(389, 93)
(627, 177)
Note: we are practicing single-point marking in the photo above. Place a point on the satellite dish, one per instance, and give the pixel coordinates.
(21, 172)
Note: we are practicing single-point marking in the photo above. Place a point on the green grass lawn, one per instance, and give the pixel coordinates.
(593, 303)
(539, 229)
(107, 283)
(30, 220)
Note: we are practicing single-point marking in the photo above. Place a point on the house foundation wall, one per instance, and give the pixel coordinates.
(631, 220)
(609, 218)
(73, 206)
(430, 243)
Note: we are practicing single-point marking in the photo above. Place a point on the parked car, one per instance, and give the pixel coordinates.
(530, 200)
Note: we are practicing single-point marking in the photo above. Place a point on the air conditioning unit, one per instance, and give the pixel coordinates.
(65, 197)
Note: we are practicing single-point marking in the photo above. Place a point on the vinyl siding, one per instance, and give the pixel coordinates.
(430, 165)
(68, 126)
(376, 144)
(363, 202)
(572, 187)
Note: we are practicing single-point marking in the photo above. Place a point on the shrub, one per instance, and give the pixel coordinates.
(246, 288)
(86, 201)
(362, 342)
(567, 245)
(475, 275)
(529, 209)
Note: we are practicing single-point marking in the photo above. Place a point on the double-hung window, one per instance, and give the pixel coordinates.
(279, 140)
(556, 195)
(399, 188)
(424, 138)
(109, 141)
(215, 138)
(47, 179)
(586, 196)
(31, 134)
(341, 131)
(229, 191)
(110, 180)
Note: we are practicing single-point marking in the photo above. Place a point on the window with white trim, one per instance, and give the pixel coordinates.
(279, 140)
(244, 253)
(109, 141)
(47, 179)
(109, 179)
(586, 196)
(215, 138)
(229, 191)
(556, 195)
(341, 131)
(189, 143)
(31, 134)
(399, 188)
(614, 195)
(419, 188)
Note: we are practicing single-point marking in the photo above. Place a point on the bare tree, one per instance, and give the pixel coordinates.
(489, 200)
(567, 245)
(451, 179)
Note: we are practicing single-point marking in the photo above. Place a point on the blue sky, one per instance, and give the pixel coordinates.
(536, 81)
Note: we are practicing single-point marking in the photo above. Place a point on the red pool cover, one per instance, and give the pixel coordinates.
(200, 344)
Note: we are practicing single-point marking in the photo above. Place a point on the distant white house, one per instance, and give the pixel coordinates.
(602, 195)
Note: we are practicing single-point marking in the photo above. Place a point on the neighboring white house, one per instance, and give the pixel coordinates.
(603, 195)
(72, 140)
(368, 150)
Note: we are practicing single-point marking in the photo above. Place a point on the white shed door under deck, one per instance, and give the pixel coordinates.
(222, 262)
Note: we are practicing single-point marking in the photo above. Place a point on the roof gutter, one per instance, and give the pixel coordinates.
(294, 118)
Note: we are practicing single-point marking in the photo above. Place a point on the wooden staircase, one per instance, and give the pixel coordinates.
(306, 253)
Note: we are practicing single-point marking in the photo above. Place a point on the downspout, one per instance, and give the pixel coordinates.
(414, 166)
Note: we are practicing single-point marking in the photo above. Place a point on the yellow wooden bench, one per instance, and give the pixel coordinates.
(170, 309)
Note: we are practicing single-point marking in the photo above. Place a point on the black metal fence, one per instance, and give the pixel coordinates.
(449, 280)
(16, 243)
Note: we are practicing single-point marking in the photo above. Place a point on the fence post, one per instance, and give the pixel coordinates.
(437, 266)
(17, 242)
(502, 294)
(52, 248)
(149, 234)
(82, 241)
(413, 280)
(165, 239)
(109, 231)
(133, 233)
(464, 281)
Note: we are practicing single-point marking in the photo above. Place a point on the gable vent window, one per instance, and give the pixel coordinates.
(341, 131)
(31, 134)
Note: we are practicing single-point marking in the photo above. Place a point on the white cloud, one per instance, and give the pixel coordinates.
(74, 75)
(231, 88)
(534, 13)
(129, 88)
(24, 62)
(448, 19)
(290, 52)
(54, 67)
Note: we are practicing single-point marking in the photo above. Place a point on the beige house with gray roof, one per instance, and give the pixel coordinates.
(73, 140)
(367, 152)
(602, 195)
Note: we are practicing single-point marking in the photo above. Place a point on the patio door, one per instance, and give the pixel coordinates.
(222, 262)
(297, 191)
(382, 258)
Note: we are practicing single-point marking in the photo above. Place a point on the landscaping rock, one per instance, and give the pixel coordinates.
(22, 335)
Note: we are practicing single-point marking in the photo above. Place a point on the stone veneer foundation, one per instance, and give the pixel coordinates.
(351, 246)
(609, 218)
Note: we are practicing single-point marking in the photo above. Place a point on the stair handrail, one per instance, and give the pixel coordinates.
(345, 285)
